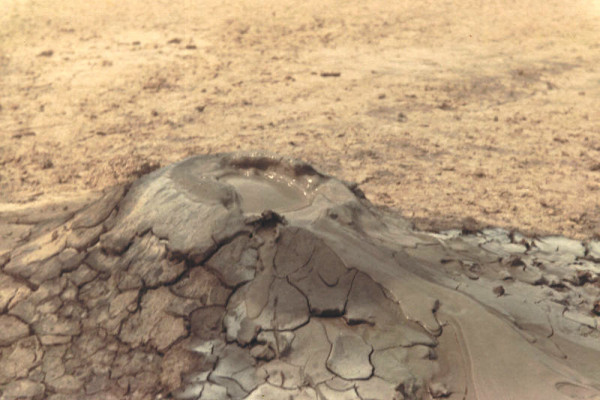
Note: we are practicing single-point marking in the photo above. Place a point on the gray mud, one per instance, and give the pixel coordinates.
(250, 276)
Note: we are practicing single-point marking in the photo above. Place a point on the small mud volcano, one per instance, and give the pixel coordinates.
(256, 277)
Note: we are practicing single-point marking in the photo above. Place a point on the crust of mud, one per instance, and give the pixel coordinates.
(177, 286)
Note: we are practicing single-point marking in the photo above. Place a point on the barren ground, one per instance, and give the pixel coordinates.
(441, 109)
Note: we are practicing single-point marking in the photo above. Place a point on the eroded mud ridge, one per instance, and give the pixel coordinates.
(250, 276)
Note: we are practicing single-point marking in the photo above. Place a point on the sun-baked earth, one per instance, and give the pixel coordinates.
(246, 276)
(442, 109)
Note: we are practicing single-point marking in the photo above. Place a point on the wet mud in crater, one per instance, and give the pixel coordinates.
(250, 276)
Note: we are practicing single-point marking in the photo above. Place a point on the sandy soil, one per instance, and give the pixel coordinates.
(442, 109)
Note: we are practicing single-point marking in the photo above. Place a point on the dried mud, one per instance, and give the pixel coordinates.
(179, 286)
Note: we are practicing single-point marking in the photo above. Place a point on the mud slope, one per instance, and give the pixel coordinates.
(248, 276)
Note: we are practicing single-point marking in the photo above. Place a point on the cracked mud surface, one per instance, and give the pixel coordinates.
(182, 286)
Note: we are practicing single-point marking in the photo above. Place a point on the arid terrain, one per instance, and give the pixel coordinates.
(444, 110)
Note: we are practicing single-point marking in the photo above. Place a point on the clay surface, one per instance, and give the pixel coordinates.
(183, 285)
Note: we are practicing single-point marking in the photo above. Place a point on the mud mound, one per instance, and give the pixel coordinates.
(251, 276)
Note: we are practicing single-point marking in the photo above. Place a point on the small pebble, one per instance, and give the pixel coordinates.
(596, 309)
(439, 390)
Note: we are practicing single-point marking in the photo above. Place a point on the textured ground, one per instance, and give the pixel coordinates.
(183, 286)
(441, 109)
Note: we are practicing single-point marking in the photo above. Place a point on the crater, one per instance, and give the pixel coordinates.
(258, 193)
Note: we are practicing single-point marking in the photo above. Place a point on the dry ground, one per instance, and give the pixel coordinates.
(442, 109)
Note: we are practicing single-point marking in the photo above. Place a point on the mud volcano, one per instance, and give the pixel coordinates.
(256, 277)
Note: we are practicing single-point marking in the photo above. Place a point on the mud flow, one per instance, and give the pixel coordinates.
(250, 276)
